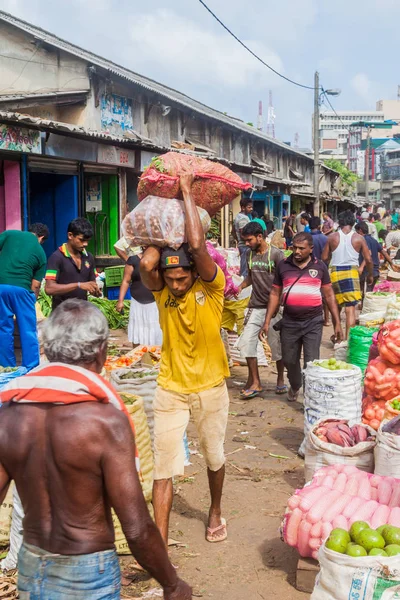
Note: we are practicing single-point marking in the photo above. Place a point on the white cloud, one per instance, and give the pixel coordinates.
(362, 86)
(191, 53)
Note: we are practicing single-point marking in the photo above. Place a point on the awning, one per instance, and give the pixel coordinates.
(259, 163)
(43, 164)
(296, 174)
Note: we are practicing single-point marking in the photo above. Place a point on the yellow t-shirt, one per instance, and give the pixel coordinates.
(193, 357)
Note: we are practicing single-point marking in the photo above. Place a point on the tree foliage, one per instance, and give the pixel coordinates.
(348, 179)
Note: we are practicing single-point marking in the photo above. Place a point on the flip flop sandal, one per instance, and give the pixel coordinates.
(281, 389)
(211, 533)
(292, 396)
(248, 394)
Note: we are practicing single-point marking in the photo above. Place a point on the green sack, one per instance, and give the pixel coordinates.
(360, 340)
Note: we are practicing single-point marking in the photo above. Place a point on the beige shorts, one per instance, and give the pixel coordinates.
(172, 411)
(248, 341)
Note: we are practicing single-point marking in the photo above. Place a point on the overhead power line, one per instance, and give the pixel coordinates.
(307, 87)
(330, 104)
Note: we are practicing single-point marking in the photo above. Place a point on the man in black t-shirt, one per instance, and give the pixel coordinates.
(263, 260)
(71, 270)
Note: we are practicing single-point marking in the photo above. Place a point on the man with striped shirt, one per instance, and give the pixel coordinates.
(301, 281)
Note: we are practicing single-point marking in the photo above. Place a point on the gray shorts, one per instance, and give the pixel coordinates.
(249, 339)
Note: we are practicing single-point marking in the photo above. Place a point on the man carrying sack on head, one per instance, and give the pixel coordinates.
(189, 291)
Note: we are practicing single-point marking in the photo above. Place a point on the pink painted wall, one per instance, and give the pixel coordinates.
(12, 192)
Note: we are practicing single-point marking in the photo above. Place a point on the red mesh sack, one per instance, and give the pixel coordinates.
(382, 380)
(389, 342)
(214, 185)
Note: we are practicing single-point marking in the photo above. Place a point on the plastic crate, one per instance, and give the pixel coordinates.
(114, 275)
(113, 293)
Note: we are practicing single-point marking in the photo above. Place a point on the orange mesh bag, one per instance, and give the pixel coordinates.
(214, 185)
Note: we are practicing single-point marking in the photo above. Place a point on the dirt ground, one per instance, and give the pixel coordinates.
(253, 562)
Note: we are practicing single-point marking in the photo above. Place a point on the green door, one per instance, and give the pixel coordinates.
(105, 219)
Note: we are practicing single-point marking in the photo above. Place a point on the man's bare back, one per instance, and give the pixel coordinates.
(58, 457)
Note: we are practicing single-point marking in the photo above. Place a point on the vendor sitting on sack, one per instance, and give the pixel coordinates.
(189, 291)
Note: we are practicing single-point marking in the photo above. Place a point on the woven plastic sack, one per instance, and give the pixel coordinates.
(366, 577)
(135, 407)
(392, 311)
(377, 301)
(145, 387)
(372, 319)
(10, 562)
(387, 454)
(6, 377)
(360, 340)
(5, 517)
(159, 222)
(331, 394)
(214, 185)
(320, 454)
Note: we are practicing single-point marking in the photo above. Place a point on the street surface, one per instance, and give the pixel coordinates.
(253, 563)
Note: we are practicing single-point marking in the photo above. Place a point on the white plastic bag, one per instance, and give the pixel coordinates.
(387, 454)
(375, 302)
(320, 454)
(159, 221)
(331, 394)
(343, 577)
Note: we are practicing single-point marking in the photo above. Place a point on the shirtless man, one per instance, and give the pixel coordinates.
(72, 462)
(343, 250)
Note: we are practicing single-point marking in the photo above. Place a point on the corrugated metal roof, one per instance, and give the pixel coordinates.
(149, 84)
(37, 95)
(59, 126)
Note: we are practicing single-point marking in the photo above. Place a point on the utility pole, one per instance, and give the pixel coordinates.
(367, 165)
(316, 144)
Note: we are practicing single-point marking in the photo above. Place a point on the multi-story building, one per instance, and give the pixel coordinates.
(334, 128)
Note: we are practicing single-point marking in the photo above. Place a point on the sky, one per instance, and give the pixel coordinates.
(352, 43)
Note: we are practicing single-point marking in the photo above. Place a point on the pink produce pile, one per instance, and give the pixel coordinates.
(338, 496)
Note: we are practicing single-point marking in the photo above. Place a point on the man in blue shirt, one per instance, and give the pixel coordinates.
(375, 249)
(319, 239)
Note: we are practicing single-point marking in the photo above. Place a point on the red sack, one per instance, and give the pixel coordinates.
(214, 186)
(382, 380)
(389, 342)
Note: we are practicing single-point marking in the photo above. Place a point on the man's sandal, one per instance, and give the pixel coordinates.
(217, 534)
(281, 389)
(248, 394)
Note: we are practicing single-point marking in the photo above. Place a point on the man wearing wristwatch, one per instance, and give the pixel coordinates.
(71, 271)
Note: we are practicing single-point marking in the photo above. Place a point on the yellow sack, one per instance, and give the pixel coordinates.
(135, 407)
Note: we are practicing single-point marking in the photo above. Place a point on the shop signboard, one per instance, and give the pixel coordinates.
(19, 139)
(112, 155)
